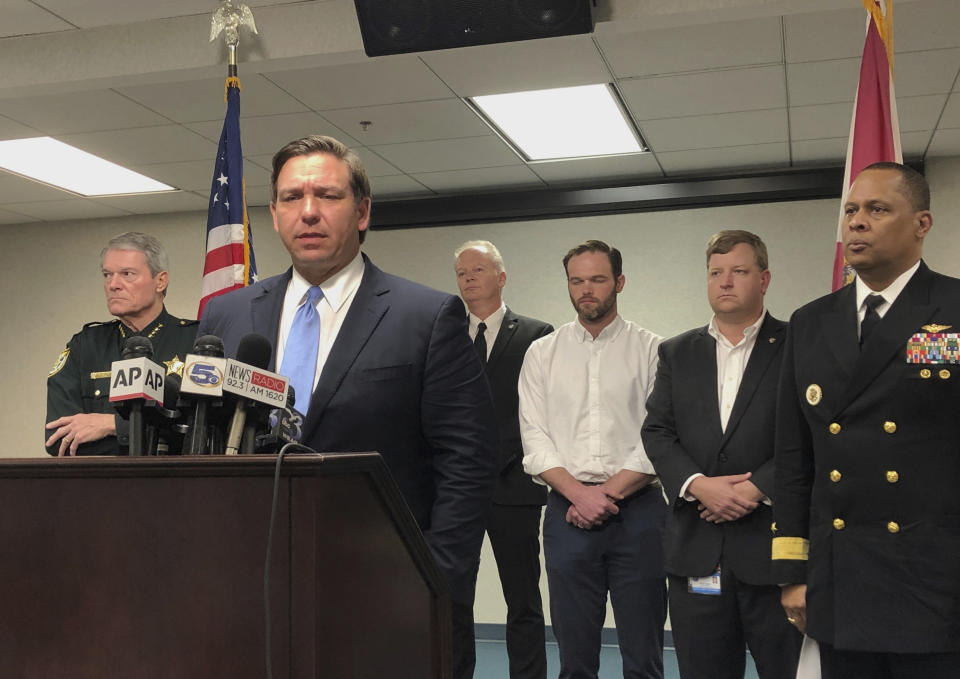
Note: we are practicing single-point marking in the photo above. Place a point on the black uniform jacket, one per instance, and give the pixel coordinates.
(79, 381)
(868, 471)
(682, 436)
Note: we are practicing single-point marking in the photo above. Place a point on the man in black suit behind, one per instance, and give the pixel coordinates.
(513, 523)
(868, 448)
(709, 433)
(388, 365)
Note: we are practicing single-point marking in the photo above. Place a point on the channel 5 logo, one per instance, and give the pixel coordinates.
(205, 375)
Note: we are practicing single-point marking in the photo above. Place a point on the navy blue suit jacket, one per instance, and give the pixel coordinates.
(683, 436)
(402, 379)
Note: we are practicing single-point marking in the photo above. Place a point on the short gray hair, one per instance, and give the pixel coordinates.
(151, 248)
(484, 246)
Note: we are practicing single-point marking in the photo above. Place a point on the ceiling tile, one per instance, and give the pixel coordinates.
(819, 36)
(24, 18)
(823, 82)
(87, 13)
(693, 48)
(700, 93)
(726, 129)
(819, 151)
(932, 72)
(914, 144)
(424, 120)
(374, 165)
(9, 217)
(16, 189)
(920, 113)
(67, 210)
(945, 143)
(398, 186)
(761, 156)
(197, 175)
(266, 134)
(482, 179)
(10, 129)
(449, 154)
(384, 80)
(517, 66)
(951, 114)
(620, 169)
(202, 100)
(79, 112)
(927, 25)
(165, 144)
(820, 121)
(180, 201)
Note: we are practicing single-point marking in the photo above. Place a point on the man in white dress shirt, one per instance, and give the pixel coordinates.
(582, 394)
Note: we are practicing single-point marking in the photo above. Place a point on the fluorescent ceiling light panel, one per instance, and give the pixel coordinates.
(566, 122)
(52, 162)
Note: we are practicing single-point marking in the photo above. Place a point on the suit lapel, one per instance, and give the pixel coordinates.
(508, 329)
(768, 344)
(910, 310)
(704, 365)
(266, 309)
(369, 305)
(841, 332)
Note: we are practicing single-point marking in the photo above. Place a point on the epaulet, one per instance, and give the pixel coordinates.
(92, 324)
(186, 322)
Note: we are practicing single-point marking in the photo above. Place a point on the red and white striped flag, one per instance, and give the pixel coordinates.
(875, 128)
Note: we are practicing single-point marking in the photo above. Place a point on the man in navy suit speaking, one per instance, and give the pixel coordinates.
(378, 362)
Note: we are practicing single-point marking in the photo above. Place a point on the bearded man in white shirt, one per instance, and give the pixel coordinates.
(582, 394)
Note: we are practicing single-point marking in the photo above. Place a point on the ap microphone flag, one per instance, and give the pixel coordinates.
(229, 263)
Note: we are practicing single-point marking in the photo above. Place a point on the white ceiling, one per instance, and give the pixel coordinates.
(715, 86)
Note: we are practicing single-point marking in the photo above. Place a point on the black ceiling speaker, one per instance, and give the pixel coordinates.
(398, 26)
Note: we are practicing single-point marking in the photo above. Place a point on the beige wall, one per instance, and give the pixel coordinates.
(50, 277)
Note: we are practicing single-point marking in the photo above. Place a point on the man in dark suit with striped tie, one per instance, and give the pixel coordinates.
(501, 338)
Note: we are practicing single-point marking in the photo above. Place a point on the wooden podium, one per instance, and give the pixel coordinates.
(123, 568)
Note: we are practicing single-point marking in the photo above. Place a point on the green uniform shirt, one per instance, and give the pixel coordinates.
(80, 380)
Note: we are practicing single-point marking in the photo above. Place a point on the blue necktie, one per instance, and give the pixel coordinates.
(300, 352)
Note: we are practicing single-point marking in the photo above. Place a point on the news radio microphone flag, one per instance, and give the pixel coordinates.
(229, 263)
(875, 127)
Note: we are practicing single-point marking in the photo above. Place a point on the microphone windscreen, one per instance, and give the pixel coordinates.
(137, 346)
(291, 396)
(208, 345)
(255, 350)
(171, 390)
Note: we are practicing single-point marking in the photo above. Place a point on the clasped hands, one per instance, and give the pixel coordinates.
(725, 498)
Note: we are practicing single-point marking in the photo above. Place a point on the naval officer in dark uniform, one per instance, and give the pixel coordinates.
(80, 419)
(868, 449)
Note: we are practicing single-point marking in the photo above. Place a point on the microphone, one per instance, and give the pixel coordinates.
(134, 379)
(161, 420)
(286, 426)
(203, 380)
(247, 378)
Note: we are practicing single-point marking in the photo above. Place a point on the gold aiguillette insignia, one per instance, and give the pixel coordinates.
(814, 394)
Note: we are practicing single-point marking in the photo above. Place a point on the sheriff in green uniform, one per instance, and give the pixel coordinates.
(80, 419)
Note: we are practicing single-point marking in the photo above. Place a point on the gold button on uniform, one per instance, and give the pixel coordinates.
(893, 527)
(838, 524)
(944, 374)
(892, 476)
(890, 427)
(925, 373)
(834, 428)
(773, 526)
(96, 393)
(835, 476)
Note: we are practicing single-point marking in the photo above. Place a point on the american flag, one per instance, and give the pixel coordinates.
(229, 263)
(875, 128)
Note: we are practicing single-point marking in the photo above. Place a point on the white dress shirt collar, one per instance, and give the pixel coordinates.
(889, 294)
(609, 333)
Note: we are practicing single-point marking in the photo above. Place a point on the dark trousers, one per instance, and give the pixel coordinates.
(712, 632)
(624, 557)
(514, 532)
(464, 649)
(840, 664)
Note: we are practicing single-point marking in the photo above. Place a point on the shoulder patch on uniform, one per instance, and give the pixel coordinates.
(92, 324)
(184, 321)
(60, 362)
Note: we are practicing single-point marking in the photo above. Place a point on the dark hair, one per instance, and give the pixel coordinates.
(723, 242)
(616, 259)
(316, 143)
(914, 185)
